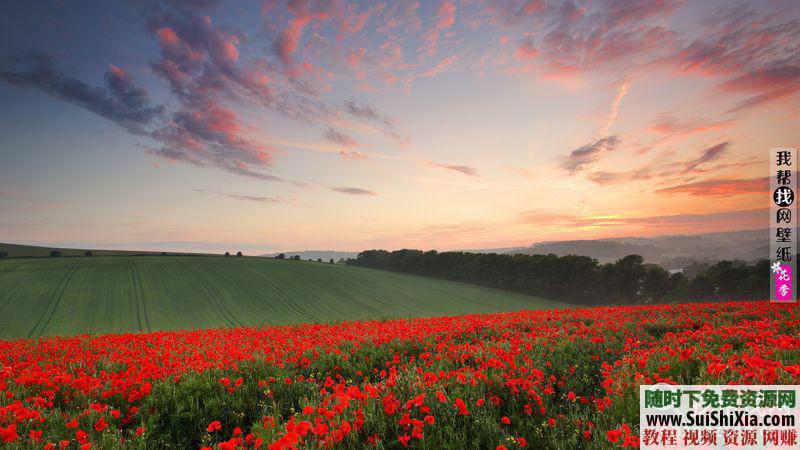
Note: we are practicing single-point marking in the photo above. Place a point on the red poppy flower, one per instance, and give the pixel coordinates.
(214, 426)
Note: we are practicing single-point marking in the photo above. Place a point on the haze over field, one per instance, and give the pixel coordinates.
(672, 251)
(177, 125)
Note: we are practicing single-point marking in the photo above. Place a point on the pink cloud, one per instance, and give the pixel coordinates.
(526, 50)
(757, 55)
(168, 37)
(440, 67)
(354, 58)
(668, 124)
(286, 44)
(350, 21)
(352, 155)
(446, 16)
(444, 19)
(767, 85)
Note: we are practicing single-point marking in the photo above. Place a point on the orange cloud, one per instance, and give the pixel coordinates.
(669, 125)
(720, 187)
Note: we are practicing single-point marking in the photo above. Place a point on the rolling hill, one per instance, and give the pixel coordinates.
(35, 251)
(62, 296)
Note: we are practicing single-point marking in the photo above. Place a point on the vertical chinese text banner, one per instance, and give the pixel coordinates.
(783, 237)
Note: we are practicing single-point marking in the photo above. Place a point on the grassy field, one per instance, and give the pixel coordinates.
(63, 296)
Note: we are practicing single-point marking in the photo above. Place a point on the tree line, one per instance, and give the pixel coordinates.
(580, 279)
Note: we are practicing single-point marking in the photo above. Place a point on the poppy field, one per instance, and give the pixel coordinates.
(530, 379)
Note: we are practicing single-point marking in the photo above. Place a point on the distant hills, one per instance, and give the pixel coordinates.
(671, 252)
(674, 251)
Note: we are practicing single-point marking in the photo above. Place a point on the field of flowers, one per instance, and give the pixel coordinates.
(536, 379)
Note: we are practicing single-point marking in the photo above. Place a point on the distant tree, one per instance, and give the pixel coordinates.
(227, 254)
(319, 259)
(331, 261)
(310, 260)
(621, 281)
(656, 284)
(239, 254)
(695, 268)
(280, 256)
(296, 257)
(163, 253)
(3, 255)
(88, 253)
(55, 254)
(580, 279)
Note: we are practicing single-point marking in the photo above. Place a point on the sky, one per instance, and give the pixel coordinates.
(212, 125)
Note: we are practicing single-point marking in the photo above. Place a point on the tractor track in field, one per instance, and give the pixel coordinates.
(52, 303)
(292, 306)
(6, 272)
(138, 295)
(215, 299)
(3, 275)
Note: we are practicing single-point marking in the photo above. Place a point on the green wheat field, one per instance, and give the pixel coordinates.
(98, 294)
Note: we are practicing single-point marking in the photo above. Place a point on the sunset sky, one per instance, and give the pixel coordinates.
(210, 125)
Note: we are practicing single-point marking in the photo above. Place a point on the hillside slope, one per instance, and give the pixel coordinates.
(62, 296)
(35, 251)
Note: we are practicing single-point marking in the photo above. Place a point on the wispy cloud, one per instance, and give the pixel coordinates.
(708, 154)
(340, 138)
(440, 67)
(720, 187)
(466, 170)
(669, 125)
(662, 167)
(250, 198)
(353, 191)
(590, 153)
(353, 155)
(526, 50)
(614, 111)
(733, 219)
(756, 54)
(370, 114)
(121, 101)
